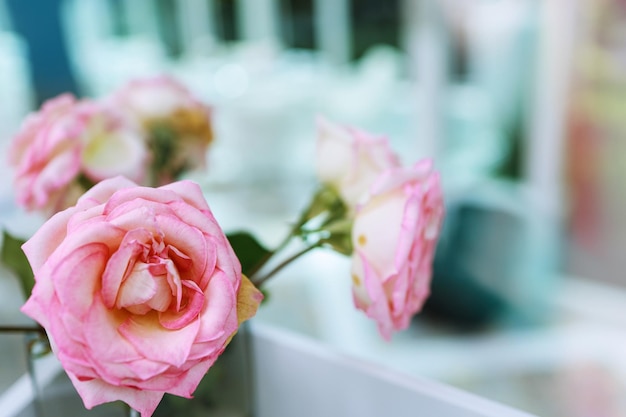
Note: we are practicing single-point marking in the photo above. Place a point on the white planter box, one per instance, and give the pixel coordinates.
(298, 376)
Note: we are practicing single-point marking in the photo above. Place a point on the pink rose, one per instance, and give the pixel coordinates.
(46, 156)
(177, 124)
(138, 290)
(67, 144)
(350, 160)
(394, 237)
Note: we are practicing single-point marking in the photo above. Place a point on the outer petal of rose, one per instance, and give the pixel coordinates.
(115, 153)
(100, 328)
(395, 177)
(334, 148)
(188, 384)
(36, 305)
(55, 176)
(156, 343)
(46, 239)
(93, 230)
(216, 318)
(377, 230)
(76, 277)
(96, 392)
(190, 193)
(84, 214)
(379, 308)
(70, 353)
(248, 300)
(409, 229)
(33, 123)
(125, 195)
(102, 191)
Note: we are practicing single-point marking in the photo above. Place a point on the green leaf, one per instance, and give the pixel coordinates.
(326, 199)
(249, 251)
(339, 242)
(13, 257)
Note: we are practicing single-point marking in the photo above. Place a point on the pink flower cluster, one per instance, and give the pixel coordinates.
(397, 214)
(69, 145)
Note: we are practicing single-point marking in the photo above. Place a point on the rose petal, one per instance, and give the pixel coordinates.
(188, 384)
(77, 277)
(190, 193)
(122, 262)
(104, 341)
(102, 191)
(138, 288)
(46, 239)
(219, 315)
(155, 342)
(188, 240)
(175, 320)
(379, 308)
(96, 392)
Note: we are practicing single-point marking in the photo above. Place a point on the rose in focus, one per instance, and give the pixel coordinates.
(349, 160)
(138, 290)
(394, 237)
(67, 146)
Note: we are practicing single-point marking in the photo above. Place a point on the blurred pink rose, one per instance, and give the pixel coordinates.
(394, 237)
(139, 291)
(68, 144)
(178, 125)
(350, 160)
(46, 156)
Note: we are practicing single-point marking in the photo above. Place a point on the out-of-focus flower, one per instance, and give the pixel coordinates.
(68, 145)
(46, 156)
(394, 237)
(349, 160)
(177, 125)
(138, 290)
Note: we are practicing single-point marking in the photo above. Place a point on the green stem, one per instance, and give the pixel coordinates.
(271, 254)
(295, 230)
(330, 212)
(21, 329)
(259, 281)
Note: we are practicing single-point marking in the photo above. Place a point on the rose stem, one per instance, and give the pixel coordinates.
(258, 282)
(24, 329)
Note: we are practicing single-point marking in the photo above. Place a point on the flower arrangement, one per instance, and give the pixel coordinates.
(136, 284)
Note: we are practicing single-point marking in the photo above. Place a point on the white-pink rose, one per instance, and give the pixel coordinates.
(67, 144)
(112, 144)
(394, 237)
(177, 125)
(138, 290)
(350, 160)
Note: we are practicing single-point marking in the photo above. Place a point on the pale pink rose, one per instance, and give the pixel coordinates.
(68, 144)
(177, 124)
(156, 97)
(350, 160)
(112, 144)
(394, 237)
(138, 290)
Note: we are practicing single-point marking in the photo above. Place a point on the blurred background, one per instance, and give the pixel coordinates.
(521, 103)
